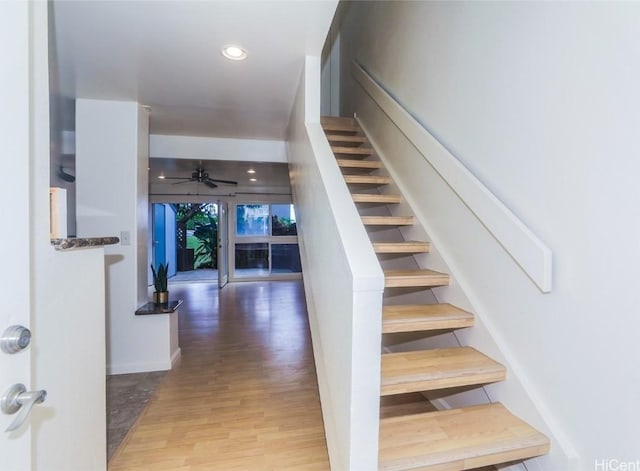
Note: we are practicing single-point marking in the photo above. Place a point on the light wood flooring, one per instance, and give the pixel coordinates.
(244, 395)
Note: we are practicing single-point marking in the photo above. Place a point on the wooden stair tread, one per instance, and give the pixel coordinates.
(352, 150)
(350, 163)
(373, 198)
(337, 120)
(457, 439)
(409, 278)
(339, 124)
(340, 128)
(424, 317)
(408, 246)
(346, 138)
(367, 179)
(440, 368)
(388, 220)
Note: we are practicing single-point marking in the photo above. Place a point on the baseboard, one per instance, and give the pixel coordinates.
(128, 368)
(175, 357)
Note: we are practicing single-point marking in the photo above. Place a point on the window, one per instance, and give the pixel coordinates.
(252, 220)
(283, 220)
(252, 259)
(266, 241)
(286, 258)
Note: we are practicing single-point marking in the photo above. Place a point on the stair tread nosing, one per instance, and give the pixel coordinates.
(367, 179)
(375, 198)
(407, 246)
(349, 139)
(365, 164)
(339, 124)
(424, 317)
(340, 128)
(409, 278)
(440, 368)
(457, 439)
(352, 150)
(388, 220)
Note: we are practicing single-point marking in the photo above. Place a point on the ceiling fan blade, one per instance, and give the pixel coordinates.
(185, 181)
(176, 178)
(209, 183)
(229, 182)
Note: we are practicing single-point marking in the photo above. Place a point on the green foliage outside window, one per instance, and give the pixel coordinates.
(206, 253)
(283, 226)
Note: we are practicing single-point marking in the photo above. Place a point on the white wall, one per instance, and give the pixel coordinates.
(343, 285)
(540, 101)
(112, 186)
(216, 148)
(330, 76)
(139, 164)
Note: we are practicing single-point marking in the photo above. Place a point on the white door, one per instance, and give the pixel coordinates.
(58, 295)
(15, 146)
(223, 243)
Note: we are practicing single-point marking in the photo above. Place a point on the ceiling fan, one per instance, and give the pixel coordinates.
(200, 176)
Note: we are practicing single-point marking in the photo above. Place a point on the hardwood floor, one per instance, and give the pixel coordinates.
(244, 395)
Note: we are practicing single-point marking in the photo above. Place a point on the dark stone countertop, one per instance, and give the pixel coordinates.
(153, 308)
(83, 242)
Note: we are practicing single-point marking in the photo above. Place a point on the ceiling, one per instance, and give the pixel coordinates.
(167, 55)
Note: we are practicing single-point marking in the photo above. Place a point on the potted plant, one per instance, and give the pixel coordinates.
(160, 281)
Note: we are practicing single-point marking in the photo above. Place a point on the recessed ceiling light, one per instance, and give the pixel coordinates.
(234, 53)
(253, 179)
(251, 171)
(161, 176)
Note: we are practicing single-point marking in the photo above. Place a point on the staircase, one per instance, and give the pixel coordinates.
(414, 436)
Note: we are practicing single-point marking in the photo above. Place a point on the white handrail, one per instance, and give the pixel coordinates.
(526, 249)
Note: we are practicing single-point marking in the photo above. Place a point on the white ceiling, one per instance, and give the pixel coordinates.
(166, 54)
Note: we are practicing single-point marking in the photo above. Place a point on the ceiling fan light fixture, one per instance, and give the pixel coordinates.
(161, 176)
(234, 53)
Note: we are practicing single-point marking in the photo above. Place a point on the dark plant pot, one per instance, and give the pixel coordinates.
(161, 297)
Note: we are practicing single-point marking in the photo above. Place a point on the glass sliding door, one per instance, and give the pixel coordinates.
(265, 241)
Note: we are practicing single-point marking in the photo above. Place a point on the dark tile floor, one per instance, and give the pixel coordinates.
(127, 396)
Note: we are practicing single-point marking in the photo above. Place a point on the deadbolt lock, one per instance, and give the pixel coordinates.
(14, 339)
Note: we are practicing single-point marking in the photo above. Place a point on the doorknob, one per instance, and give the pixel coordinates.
(17, 398)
